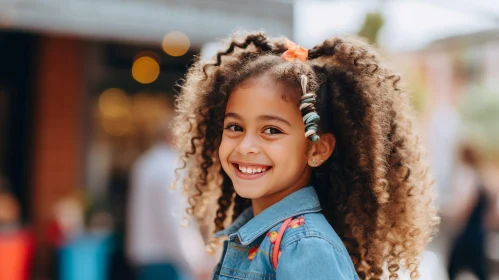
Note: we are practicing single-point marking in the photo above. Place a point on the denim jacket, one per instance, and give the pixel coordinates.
(310, 248)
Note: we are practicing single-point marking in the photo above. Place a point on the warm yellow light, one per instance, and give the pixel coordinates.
(176, 43)
(145, 70)
(115, 109)
(118, 127)
(113, 103)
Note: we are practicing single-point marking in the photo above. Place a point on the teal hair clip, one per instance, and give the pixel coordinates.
(311, 118)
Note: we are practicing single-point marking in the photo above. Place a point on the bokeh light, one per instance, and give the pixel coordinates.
(145, 69)
(176, 43)
(113, 103)
(114, 107)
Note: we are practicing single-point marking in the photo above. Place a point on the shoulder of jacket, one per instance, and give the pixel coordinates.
(312, 226)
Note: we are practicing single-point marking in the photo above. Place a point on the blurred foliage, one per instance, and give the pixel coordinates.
(419, 99)
(371, 27)
(416, 85)
(480, 112)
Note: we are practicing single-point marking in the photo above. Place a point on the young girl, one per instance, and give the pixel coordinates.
(311, 157)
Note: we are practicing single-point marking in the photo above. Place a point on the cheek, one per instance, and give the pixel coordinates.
(225, 149)
(292, 152)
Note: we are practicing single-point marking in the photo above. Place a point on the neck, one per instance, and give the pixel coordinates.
(262, 203)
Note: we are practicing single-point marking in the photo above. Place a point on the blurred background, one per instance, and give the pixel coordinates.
(86, 95)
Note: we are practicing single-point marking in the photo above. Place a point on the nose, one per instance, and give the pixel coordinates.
(248, 145)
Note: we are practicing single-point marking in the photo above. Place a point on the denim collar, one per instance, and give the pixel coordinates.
(248, 228)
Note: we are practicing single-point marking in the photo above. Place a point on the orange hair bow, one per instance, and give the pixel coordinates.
(294, 52)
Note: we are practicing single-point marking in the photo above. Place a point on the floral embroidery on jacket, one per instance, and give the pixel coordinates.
(252, 253)
(272, 236)
(295, 223)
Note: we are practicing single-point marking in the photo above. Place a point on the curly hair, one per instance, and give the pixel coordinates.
(375, 190)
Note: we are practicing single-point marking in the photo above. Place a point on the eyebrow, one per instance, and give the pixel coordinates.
(262, 117)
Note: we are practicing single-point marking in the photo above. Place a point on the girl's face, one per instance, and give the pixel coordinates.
(263, 148)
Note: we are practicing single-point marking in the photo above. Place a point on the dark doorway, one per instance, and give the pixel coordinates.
(17, 57)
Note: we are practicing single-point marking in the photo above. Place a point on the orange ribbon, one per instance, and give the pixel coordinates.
(294, 52)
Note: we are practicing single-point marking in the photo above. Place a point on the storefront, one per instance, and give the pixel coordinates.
(84, 83)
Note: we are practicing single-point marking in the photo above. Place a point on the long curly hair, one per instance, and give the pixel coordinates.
(375, 190)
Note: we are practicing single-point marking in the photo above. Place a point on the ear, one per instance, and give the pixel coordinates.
(321, 150)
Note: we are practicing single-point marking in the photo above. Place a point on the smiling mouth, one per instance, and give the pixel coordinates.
(251, 171)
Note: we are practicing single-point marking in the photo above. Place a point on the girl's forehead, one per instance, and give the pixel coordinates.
(271, 85)
(260, 99)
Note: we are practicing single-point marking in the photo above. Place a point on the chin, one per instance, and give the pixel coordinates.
(248, 192)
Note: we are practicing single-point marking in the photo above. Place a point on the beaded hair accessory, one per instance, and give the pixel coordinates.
(308, 99)
(307, 108)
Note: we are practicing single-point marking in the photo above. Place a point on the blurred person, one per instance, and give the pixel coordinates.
(89, 255)
(9, 211)
(16, 242)
(444, 130)
(157, 245)
(312, 157)
(471, 203)
(67, 219)
(65, 224)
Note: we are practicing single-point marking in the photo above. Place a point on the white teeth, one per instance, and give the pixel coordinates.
(251, 170)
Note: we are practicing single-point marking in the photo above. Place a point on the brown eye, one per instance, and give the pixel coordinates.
(233, 127)
(272, 130)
